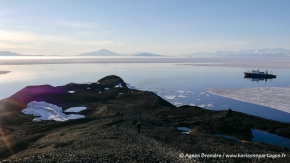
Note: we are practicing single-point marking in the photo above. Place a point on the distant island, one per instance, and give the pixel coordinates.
(105, 52)
(102, 52)
(4, 72)
(8, 53)
(147, 55)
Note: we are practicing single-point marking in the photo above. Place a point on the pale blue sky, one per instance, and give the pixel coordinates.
(69, 27)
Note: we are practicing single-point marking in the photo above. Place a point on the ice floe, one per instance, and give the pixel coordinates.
(209, 105)
(273, 97)
(182, 96)
(202, 105)
(130, 86)
(170, 97)
(47, 111)
(71, 91)
(181, 92)
(177, 103)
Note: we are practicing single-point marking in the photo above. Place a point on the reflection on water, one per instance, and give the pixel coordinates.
(260, 79)
(265, 137)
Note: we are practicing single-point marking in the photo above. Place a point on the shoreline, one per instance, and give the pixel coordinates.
(238, 61)
(4, 72)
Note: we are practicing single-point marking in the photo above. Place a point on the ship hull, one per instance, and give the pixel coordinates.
(265, 76)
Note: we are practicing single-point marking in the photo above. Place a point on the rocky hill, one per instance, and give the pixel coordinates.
(108, 133)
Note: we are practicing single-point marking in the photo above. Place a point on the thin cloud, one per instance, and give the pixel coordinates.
(23, 39)
(76, 24)
(17, 36)
(5, 45)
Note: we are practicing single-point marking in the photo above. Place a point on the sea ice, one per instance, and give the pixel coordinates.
(177, 103)
(273, 97)
(130, 87)
(209, 105)
(170, 97)
(202, 105)
(182, 96)
(181, 91)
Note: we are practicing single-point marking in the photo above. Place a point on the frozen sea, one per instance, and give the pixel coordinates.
(181, 81)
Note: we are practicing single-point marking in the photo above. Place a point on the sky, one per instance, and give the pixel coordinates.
(168, 27)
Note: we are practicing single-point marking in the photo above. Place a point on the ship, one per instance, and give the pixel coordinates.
(259, 75)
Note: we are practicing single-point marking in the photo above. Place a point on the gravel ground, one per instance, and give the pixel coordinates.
(104, 136)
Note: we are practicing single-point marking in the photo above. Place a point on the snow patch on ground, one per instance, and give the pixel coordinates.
(47, 111)
(71, 91)
(106, 88)
(119, 86)
(75, 116)
(75, 109)
(273, 97)
(185, 130)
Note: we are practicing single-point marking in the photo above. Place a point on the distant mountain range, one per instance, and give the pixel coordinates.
(250, 52)
(102, 52)
(7, 53)
(105, 52)
(147, 54)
